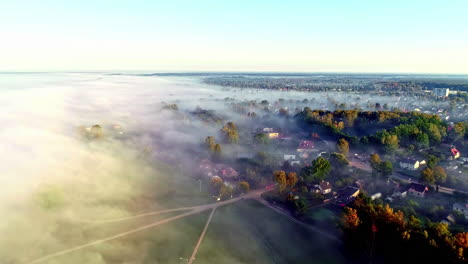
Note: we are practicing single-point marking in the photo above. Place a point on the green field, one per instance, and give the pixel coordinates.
(248, 232)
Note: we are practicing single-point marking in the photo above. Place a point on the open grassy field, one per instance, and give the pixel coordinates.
(244, 232)
(248, 232)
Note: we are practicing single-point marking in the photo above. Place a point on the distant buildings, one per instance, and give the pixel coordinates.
(444, 92)
(305, 146)
(462, 208)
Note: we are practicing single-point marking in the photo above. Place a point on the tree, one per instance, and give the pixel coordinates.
(432, 161)
(291, 179)
(390, 142)
(244, 186)
(343, 146)
(351, 219)
(280, 179)
(96, 131)
(217, 151)
(375, 162)
(300, 206)
(338, 161)
(318, 171)
(225, 191)
(230, 133)
(434, 133)
(210, 142)
(216, 180)
(262, 138)
(427, 176)
(386, 168)
(440, 174)
(459, 129)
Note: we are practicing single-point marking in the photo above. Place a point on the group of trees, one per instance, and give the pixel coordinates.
(374, 232)
(396, 128)
(261, 138)
(436, 175)
(214, 147)
(317, 172)
(230, 133)
(224, 191)
(379, 167)
(284, 179)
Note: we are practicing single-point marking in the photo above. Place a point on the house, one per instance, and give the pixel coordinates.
(270, 132)
(347, 195)
(289, 157)
(462, 208)
(408, 164)
(305, 146)
(208, 168)
(325, 187)
(376, 196)
(417, 190)
(454, 153)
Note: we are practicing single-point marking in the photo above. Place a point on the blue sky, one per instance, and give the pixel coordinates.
(333, 35)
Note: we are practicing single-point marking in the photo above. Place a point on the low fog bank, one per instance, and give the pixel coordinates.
(54, 175)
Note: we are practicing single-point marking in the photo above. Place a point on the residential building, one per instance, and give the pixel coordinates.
(418, 190)
(325, 187)
(408, 164)
(454, 153)
(305, 146)
(462, 208)
(289, 156)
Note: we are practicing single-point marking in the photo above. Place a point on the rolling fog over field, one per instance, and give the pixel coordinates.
(56, 182)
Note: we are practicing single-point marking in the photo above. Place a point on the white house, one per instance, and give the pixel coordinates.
(289, 157)
(409, 164)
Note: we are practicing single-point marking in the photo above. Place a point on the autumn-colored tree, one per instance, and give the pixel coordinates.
(210, 142)
(375, 162)
(96, 131)
(216, 180)
(390, 142)
(427, 176)
(343, 146)
(440, 174)
(217, 151)
(459, 129)
(434, 133)
(230, 133)
(291, 179)
(280, 178)
(461, 245)
(244, 186)
(351, 218)
(225, 191)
